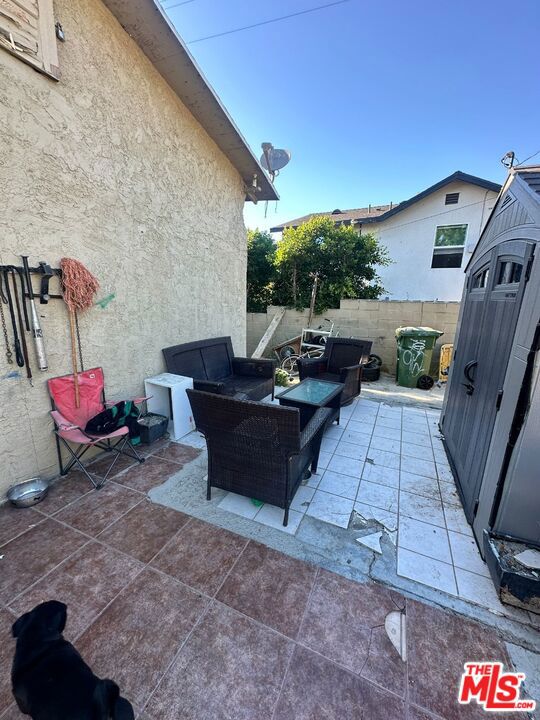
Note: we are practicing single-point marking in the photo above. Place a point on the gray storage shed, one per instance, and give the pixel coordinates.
(491, 415)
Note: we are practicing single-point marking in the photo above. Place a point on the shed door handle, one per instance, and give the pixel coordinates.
(467, 370)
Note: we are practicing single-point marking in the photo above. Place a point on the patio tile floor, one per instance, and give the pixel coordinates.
(390, 465)
(194, 621)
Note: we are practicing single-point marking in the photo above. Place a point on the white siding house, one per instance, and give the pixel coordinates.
(429, 237)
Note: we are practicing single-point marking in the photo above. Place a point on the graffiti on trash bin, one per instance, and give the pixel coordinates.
(413, 357)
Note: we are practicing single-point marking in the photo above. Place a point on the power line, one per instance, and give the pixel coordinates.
(267, 22)
(528, 158)
(185, 2)
(427, 217)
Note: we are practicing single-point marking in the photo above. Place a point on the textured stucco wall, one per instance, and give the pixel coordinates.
(109, 167)
(369, 319)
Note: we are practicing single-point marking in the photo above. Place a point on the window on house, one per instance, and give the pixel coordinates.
(27, 31)
(451, 199)
(449, 246)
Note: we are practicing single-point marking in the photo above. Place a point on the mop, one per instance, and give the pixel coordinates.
(78, 288)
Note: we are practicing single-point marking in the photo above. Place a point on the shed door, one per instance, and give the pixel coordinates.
(492, 303)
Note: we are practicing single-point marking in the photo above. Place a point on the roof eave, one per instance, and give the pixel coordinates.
(458, 176)
(150, 28)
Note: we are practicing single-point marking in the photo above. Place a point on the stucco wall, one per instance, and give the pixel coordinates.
(109, 167)
(410, 237)
(369, 319)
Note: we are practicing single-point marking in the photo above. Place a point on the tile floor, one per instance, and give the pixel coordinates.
(197, 622)
(387, 462)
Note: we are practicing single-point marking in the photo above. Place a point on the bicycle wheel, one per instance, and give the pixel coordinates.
(290, 365)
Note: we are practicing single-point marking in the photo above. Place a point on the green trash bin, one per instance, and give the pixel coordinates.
(414, 351)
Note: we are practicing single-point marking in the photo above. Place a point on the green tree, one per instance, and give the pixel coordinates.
(343, 261)
(260, 270)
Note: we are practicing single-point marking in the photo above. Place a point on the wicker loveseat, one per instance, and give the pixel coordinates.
(342, 362)
(214, 368)
(257, 449)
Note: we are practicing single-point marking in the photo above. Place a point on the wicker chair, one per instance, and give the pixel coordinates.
(257, 449)
(342, 361)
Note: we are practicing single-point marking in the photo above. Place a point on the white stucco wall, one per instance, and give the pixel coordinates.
(410, 237)
(109, 167)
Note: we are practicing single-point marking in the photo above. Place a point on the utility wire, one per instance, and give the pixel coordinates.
(427, 217)
(528, 158)
(267, 22)
(185, 2)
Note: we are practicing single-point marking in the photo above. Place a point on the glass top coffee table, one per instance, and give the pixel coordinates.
(311, 394)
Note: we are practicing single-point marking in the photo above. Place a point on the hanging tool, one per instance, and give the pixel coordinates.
(23, 298)
(16, 342)
(79, 287)
(37, 332)
(46, 274)
(21, 326)
(3, 299)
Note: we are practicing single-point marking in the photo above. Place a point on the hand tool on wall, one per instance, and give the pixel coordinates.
(3, 299)
(21, 325)
(37, 332)
(46, 275)
(16, 342)
(23, 298)
(79, 287)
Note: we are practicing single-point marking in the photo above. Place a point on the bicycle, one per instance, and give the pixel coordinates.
(312, 344)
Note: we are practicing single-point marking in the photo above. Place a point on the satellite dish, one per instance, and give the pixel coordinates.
(274, 159)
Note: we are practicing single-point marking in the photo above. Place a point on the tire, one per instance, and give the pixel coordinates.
(290, 366)
(425, 382)
(371, 374)
(374, 361)
(286, 352)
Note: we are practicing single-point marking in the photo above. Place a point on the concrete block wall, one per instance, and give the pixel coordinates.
(373, 320)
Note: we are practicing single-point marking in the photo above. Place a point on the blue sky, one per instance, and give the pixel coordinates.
(375, 99)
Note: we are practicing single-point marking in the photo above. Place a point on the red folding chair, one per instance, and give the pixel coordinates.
(70, 421)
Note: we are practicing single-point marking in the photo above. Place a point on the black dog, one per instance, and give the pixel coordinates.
(50, 680)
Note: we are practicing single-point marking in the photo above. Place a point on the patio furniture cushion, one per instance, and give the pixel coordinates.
(214, 368)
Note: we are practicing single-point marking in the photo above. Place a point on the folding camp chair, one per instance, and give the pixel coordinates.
(70, 421)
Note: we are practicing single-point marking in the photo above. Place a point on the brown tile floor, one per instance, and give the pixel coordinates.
(195, 622)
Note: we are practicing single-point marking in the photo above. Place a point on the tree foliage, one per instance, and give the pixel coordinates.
(343, 261)
(261, 270)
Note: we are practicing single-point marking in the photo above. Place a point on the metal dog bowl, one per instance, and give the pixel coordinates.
(28, 493)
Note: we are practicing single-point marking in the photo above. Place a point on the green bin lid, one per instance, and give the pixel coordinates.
(418, 332)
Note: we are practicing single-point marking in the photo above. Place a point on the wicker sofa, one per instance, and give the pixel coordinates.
(214, 368)
(257, 449)
(342, 362)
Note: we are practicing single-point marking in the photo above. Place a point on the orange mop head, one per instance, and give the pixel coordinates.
(79, 287)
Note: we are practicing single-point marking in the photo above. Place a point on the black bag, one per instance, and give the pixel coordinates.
(124, 413)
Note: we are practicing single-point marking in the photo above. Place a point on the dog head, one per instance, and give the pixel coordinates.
(46, 621)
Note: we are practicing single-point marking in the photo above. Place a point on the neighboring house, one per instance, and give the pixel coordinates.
(117, 152)
(430, 237)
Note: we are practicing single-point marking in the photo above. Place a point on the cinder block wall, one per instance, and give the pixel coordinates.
(370, 319)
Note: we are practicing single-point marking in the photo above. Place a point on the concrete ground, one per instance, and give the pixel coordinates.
(385, 390)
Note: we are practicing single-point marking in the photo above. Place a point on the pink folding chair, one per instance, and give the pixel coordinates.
(70, 421)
